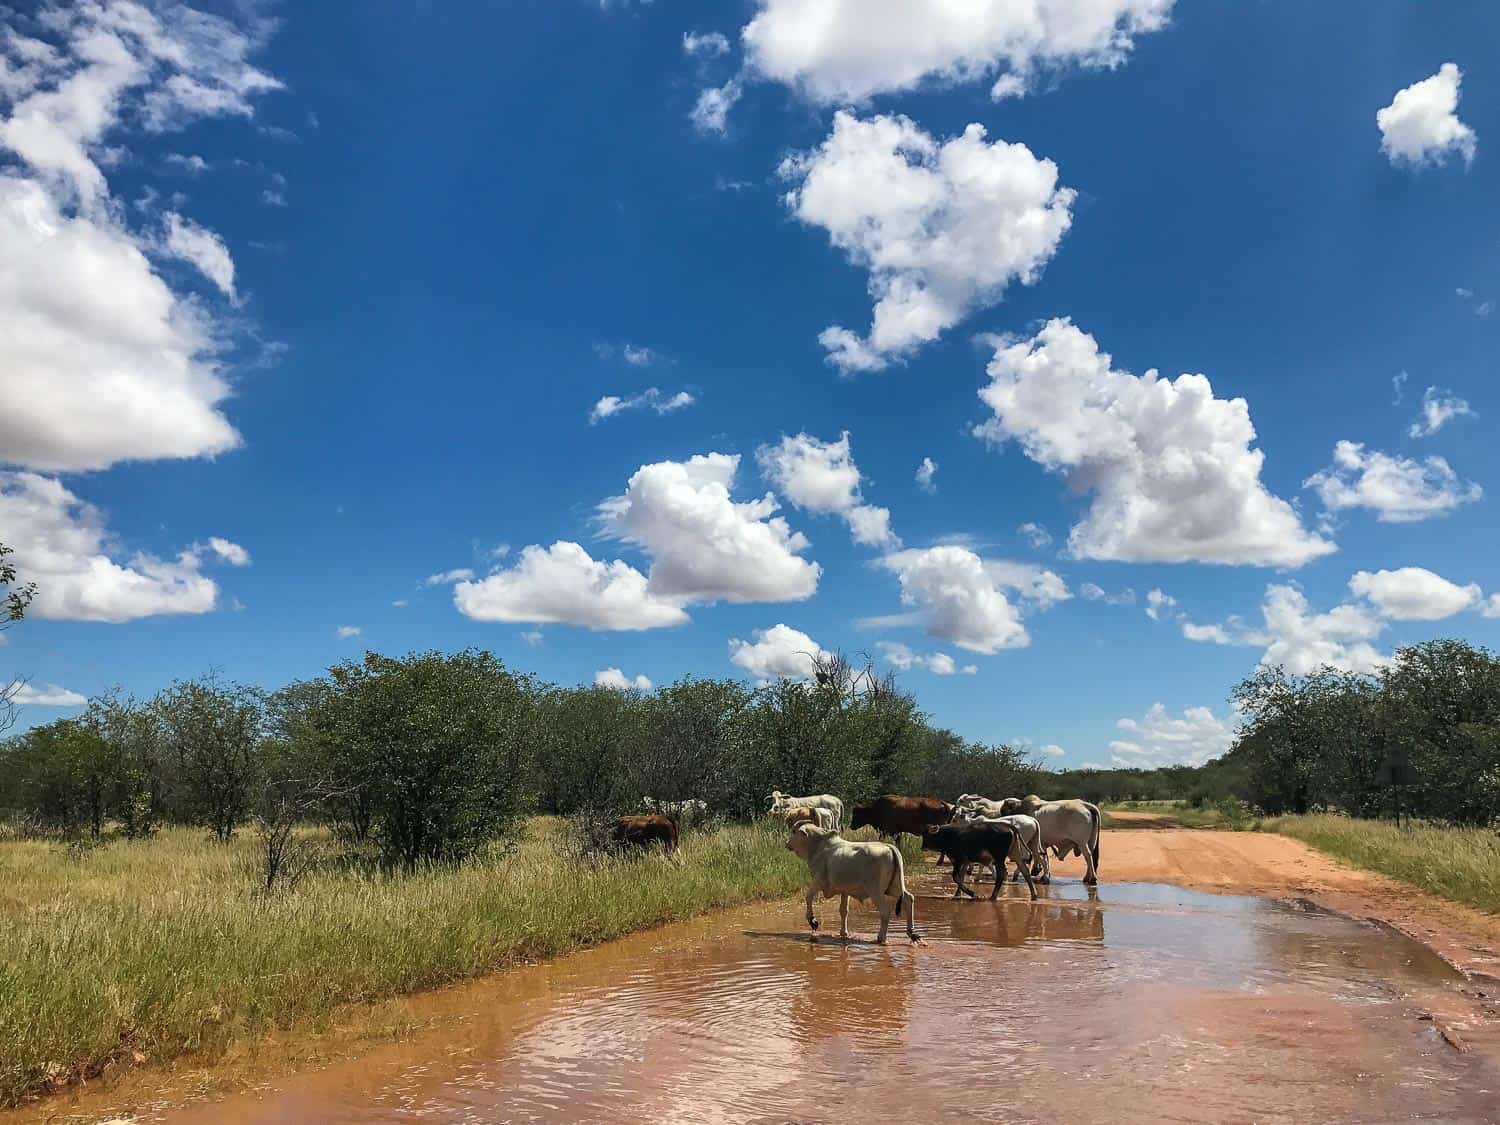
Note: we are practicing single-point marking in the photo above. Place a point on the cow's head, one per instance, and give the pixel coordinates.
(1010, 806)
(933, 837)
(805, 839)
(860, 817)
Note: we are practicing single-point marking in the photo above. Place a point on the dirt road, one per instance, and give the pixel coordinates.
(1256, 863)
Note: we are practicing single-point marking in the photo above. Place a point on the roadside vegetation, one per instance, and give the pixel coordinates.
(144, 951)
(1462, 864)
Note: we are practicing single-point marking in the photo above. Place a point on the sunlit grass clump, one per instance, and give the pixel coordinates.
(1458, 863)
(163, 947)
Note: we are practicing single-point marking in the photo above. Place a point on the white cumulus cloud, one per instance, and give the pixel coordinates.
(1413, 593)
(840, 51)
(1301, 640)
(964, 599)
(1421, 124)
(925, 472)
(943, 227)
(562, 584)
(1159, 739)
(777, 653)
(101, 360)
(62, 545)
(903, 659)
(705, 546)
(1397, 489)
(52, 695)
(821, 477)
(616, 680)
(1171, 468)
(344, 632)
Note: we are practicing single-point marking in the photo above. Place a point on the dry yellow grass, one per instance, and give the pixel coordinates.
(1462, 864)
(163, 948)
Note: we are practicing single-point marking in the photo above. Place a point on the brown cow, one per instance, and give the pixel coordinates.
(643, 831)
(891, 815)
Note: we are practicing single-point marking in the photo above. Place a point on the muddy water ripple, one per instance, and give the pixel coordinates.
(1139, 1003)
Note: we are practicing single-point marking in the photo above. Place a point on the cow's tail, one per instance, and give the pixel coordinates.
(1094, 834)
(898, 879)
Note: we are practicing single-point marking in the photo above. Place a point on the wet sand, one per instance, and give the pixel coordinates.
(1141, 1002)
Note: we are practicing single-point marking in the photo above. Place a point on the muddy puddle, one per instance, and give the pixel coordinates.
(1140, 1002)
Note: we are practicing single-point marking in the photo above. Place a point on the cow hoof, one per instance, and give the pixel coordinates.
(916, 939)
(812, 924)
(1091, 882)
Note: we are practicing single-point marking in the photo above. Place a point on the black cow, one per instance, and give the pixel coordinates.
(977, 842)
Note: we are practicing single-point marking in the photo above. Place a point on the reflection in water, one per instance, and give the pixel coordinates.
(1133, 1003)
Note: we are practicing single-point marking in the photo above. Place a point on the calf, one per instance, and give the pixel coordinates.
(805, 814)
(892, 815)
(979, 841)
(869, 871)
(780, 803)
(643, 831)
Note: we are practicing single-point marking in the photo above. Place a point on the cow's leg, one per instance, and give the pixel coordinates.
(885, 915)
(1090, 877)
(909, 901)
(1030, 886)
(844, 919)
(812, 893)
(958, 881)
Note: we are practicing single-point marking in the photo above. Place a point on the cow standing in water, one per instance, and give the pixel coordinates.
(1067, 827)
(979, 841)
(869, 871)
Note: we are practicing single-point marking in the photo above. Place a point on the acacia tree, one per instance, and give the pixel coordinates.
(439, 745)
(213, 731)
(693, 740)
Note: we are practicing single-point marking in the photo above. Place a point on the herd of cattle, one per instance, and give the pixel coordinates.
(972, 830)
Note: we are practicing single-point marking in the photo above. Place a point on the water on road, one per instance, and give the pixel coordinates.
(1142, 1002)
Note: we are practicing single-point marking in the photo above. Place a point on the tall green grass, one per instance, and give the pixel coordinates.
(1462, 864)
(163, 947)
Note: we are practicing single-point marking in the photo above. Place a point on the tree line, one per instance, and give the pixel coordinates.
(430, 756)
(1329, 740)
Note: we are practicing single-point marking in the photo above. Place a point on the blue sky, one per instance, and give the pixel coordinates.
(313, 302)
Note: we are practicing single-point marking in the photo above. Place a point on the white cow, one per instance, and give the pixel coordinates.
(1067, 827)
(780, 803)
(981, 806)
(869, 871)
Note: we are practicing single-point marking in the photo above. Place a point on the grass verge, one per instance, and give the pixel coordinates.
(153, 950)
(1462, 864)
